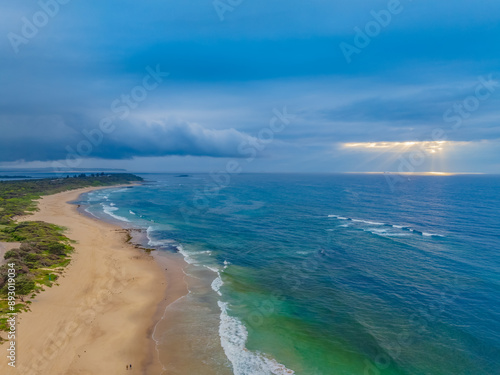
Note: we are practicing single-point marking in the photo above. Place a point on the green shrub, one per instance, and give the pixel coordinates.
(24, 284)
(11, 254)
(57, 248)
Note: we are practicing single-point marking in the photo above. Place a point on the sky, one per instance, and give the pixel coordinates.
(281, 86)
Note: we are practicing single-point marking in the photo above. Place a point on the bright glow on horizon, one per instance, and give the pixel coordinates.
(429, 157)
(420, 173)
(432, 147)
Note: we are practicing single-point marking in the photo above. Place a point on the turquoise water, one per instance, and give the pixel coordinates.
(336, 274)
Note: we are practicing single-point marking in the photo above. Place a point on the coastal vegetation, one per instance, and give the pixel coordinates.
(44, 250)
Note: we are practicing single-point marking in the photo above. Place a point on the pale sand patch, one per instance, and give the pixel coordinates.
(100, 318)
(6, 246)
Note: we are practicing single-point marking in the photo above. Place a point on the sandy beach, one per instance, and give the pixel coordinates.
(101, 315)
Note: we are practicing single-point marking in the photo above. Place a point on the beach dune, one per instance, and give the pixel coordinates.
(101, 315)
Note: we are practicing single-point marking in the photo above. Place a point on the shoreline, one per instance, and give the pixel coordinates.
(101, 314)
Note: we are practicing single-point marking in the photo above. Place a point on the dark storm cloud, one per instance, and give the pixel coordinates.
(53, 138)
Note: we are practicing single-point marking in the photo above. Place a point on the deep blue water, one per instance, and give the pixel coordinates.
(337, 274)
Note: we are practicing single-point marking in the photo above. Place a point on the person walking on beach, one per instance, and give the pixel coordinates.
(131, 366)
(127, 367)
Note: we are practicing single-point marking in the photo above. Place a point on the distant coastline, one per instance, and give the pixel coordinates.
(16, 177)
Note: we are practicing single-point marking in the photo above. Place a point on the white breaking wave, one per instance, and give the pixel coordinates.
(431, 234)
(376, 230)
(97, 196)
(191, 258)
(217, 284)
(367, 222)
(338, 217)
(109, 211)
(233, 335)
(385, 232)
(213, 269)
(152, 242)
(186, 256)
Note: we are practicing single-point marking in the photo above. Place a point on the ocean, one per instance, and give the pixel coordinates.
(323, 274)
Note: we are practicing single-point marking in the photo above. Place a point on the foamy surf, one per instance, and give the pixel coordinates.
(154, 242)
(109, 209)
(186, 256)
(217, 284)
(233, 335)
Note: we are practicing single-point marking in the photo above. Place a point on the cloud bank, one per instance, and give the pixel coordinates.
(55, 138)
